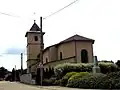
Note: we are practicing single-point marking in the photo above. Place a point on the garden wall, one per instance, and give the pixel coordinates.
(27, 78)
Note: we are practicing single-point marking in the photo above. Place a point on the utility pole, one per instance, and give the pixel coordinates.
(41, 52)
(21, 63)
(15, 72)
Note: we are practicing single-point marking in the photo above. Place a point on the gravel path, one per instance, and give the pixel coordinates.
(4, 85)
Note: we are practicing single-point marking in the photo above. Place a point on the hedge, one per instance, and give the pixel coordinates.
(107, 67)
(97, 81)
(61, 69)
(65, 78)
(87, 81)
(77, 75)
(49, 82)
(72, 80)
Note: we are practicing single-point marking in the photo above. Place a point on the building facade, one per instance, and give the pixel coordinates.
(75, 49)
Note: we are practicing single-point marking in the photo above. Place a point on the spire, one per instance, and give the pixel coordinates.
(35, 27)
(34, 21)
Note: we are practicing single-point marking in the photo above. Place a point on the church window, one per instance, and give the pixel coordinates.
(60, 55)
(46, 60)
(84, 56)
(36, 38)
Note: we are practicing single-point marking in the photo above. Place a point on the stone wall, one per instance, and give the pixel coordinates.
(27, 78)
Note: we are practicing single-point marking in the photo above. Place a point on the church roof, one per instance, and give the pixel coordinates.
(35, 27)
(77, 38)
(72, 38)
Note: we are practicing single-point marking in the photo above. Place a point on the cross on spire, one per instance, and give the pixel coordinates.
(34, 21)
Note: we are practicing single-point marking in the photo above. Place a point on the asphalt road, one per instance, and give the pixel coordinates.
(4, 85)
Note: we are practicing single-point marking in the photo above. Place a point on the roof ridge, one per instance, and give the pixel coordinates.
(77, 37)
(73, 38)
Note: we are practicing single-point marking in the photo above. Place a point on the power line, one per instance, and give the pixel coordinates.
(16, 16)
(61, 9)
(9, 15)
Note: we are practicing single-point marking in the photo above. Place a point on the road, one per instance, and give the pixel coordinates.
(4, 85)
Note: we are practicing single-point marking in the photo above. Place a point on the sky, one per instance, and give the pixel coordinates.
(95, 19)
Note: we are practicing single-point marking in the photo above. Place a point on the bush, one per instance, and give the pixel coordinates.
(107, 67)
(57, 82)
(105, 61)
(73, 80)
(65, 78)
(111, 80)
(118, 63)
(97, 81)
(49, 82)
(78, 75)
(61, 69)
(87, 81)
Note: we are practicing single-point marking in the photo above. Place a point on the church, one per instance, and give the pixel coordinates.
(75, 49)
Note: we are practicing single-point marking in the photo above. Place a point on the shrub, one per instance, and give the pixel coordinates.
(57, 82)
(61, 69)
(111, 80)
(107, 67)
(48, 82)
(118, 63)
(97, 81)
(78, 75)
(87, 81)
(106, 61)
(65, 78)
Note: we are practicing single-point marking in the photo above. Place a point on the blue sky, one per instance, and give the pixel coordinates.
(96, 19)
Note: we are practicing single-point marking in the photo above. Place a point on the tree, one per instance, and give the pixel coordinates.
(18, 75)
(118, 63)
(3, 72)
(13, 74)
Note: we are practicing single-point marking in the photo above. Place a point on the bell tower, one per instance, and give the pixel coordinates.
(33, 47)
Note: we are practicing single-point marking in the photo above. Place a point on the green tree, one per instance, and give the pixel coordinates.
(3, 72)
(118, 63)
(13, 74)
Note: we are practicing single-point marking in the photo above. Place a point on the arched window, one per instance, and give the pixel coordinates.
(36, 38)
(60, 55)
(84, 56)
(46, 60)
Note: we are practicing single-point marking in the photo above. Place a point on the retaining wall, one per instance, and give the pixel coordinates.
(27, 78)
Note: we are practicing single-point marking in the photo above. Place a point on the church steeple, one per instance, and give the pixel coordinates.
(35, 27)
(34, 45)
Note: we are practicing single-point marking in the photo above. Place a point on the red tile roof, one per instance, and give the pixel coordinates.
(72, 38)
(77, 38)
